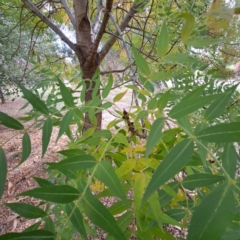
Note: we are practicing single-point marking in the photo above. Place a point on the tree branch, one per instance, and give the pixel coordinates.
(50, 24)
(102, 28)
(68, 11)
(115, 71)
(122, 27)
(97, 19)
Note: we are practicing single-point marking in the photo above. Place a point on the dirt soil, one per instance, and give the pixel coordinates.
(20, 178)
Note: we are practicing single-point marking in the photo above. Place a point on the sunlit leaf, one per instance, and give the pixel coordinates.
(34, 100)
(221, 133)
(211, 218)
(154, 136)
(187, 26)
(176, 159)
(3, 171)
(119, 96)
(57, 194)
(72, 152)
(26, 147)
(26, 210)
(120, 138)
(76, 218)
(120, 207)
(181, 58)
(46, 134)
(10, 122)
(200, 180)
(125, 168)
(163, 40)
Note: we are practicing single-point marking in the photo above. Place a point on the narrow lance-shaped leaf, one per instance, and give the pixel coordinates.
(57, 194)
(106, 174)
(119, 96)
(141, 62)
(194, 93)
(76, 218)
(221, 133)
(65, 123)
(108, 87)
(176, 159)
(10, 122)
(26, 210)
(46, 134)
(26, 147)
(229, 159)
(186, 107)
(200, 180)
(211, 218)
(154, 135)
(163, 40)
(66, 94)
(35, 101)
(75, 163)
(218, 106)
(36, 235)
(188, 26)
(181, 58)
(162, 102)
(99, 214)
(3, 171)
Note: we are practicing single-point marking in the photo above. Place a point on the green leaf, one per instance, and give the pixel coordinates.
(126, 168)
(75, 163)
(3, 171)
(186, 107)
(106, 174)
(120, 138)
(188, 26)
(46, 135)
(181, 58)
(221, 133)
(218, 107)
(87, 134)
(163, 40)
(103, 134)
(34, 100)
(162, 102)
(57, 194)
(99, 214)
(211, 218)
(66, 94)
(203, 42)
(146, 84)
(141, 115)
(43, 182)
(108, 87)
(177, 214)
(200, 180)
(194, 93)
(72, 152)
(141, 62)
(49, 225)
(229, 159)
(120, 207)
(175, 160)
(119, 96)
(65, 123)
(76, 218)
(154, 136)
(232, 234)
(156, 76)
(26, 210)
(26, 147)
(32, 227)
(156, 208)
(152, 104)
(10, 122)
(32, 235)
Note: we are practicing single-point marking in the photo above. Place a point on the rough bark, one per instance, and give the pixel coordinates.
(2, 95)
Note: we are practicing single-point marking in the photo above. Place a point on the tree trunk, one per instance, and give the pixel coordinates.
(2, 95)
